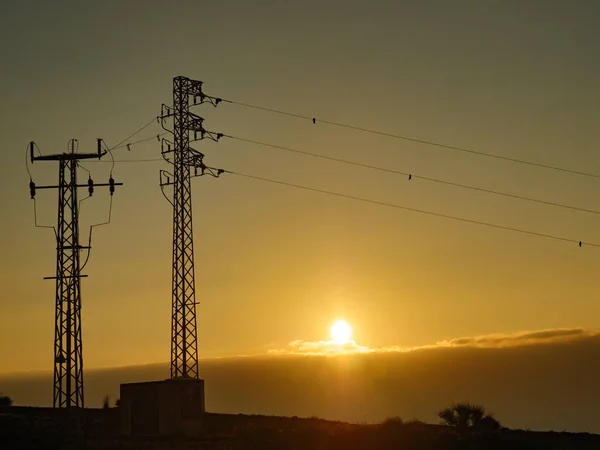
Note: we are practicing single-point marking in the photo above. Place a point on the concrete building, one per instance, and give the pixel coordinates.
(170, 407)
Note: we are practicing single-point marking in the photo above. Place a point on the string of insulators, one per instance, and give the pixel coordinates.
(111, 185)
(90, 186)
(32, 188)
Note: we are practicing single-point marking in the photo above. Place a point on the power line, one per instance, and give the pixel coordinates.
(133, 134)
(412, 175)
(488, 224)
(406, 208)
(129, 144)
(118, 161)
(416, 140)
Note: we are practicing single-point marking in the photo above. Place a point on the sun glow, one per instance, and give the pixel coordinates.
(341, 332)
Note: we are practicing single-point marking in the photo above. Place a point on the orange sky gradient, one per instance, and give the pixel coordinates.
(274, 264)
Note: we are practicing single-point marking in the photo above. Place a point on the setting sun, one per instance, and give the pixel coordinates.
(341, 332)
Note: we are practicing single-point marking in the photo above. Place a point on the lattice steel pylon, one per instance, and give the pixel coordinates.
(184, 339)
(68, 351)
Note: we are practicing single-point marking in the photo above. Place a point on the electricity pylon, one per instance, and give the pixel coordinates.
(184, 339)
(68, 354)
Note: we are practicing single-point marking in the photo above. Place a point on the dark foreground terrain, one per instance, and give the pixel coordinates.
(40, 428)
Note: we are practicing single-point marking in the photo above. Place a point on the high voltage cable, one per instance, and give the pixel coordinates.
(416, 140)
(368, 166)
(133, 134)
(118, 161)
(412, 175)
(129, 144)
(406, 208)
(390, 205)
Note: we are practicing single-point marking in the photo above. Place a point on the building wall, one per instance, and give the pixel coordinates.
(170, 407)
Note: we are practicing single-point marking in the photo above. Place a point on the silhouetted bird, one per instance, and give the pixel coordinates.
(409, 177)
(314, 120)
(580, 243)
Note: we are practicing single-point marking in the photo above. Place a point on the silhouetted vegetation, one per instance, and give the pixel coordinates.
(5, 400)
(117, 403)
(467, 415)
(392, 422)
(106, 402)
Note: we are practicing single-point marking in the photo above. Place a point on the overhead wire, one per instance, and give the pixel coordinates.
(128, 145)
(35, 221)
(416, 140)
(134, 133)
(406, 208)
(413, 175)
(89, 249)
(373, 167)
(118, 161)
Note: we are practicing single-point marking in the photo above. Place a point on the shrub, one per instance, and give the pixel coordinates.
(466, 415)
(5, 400)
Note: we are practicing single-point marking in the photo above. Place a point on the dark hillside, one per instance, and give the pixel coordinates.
(40, 428)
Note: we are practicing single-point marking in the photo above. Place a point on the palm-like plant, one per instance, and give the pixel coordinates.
(465, 415)
(5, 400)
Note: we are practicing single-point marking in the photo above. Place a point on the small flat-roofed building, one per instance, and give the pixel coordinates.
(169, 407)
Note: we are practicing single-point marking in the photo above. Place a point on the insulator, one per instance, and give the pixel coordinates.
(90, 186)
(195, 135)
(111, 185)
(219, 136)
(32, 189)
(217, 101)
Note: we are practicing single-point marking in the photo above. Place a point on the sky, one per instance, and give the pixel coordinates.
(275, 264)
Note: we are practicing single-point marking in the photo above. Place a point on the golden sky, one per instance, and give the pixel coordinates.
(274, 264)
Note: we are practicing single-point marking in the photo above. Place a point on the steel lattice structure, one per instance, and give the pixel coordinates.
(68, 351)
(187, 163)
(68, 357)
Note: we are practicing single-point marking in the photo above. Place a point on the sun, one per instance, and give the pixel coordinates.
(341, 332)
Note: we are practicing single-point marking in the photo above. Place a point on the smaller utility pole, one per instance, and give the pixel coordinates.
(68, 355)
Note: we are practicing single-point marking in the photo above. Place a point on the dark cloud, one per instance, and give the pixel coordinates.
(539, 380)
